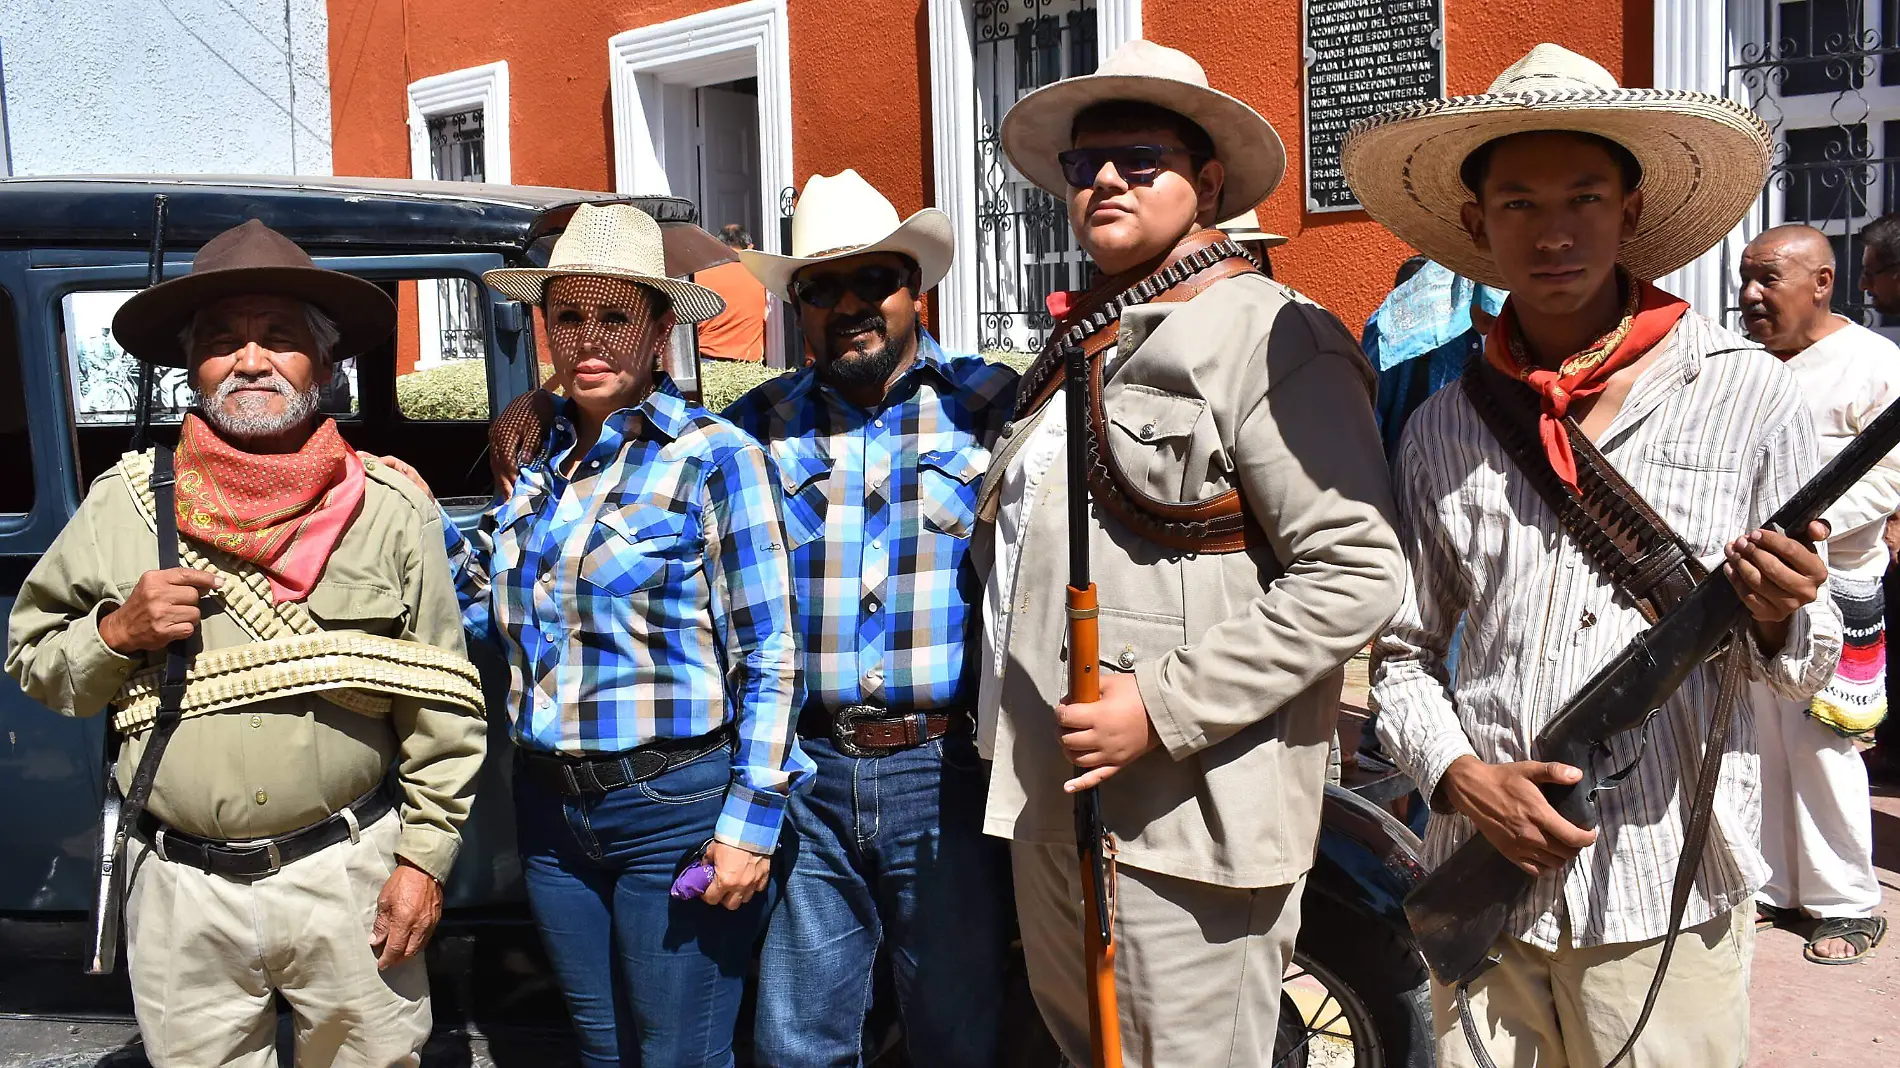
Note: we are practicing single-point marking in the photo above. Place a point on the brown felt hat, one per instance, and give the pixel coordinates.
(252, 259)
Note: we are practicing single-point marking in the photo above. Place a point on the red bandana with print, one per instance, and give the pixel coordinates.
(283, 512)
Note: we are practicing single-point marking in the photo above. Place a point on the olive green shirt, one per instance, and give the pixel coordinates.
(277, 765)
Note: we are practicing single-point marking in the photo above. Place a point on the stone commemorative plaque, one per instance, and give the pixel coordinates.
(1362, 57)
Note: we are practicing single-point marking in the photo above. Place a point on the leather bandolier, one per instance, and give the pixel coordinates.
(1218, 524)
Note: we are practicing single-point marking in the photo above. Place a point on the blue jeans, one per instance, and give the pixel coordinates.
(886, 851)
(649, 980)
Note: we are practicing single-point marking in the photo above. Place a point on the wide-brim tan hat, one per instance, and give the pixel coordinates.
(1041, 124)
(1704, 159)
(609, 241)
(841, 215)
(246, 260)
(1246, 227)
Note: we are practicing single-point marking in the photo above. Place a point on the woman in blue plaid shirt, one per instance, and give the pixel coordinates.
(636, 578)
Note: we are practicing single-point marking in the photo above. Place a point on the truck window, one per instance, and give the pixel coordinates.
(421, 395)
(16, 493)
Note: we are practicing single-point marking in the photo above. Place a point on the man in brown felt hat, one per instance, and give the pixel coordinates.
(1664, 442)
(1242, 551)
(310, 597)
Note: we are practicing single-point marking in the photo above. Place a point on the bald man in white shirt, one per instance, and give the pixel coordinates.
(1817, 821)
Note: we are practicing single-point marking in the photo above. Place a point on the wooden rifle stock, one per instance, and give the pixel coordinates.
(1091, 838)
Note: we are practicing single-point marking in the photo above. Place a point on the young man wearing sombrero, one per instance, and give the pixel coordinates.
(1574, 194)
(880, 441)
(1242, 552)
(324, 645)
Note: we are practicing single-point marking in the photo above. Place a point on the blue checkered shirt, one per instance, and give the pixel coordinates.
(879, 506)
(646, 598)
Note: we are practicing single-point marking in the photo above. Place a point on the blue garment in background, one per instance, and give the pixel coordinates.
(1420, 339)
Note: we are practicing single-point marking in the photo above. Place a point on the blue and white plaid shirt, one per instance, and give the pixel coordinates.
(648, 597)
(879, 506)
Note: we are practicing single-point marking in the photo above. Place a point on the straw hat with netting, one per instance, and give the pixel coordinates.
(1704, 159)
(609, 241)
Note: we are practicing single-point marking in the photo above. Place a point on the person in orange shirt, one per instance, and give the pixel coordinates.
(738, 333)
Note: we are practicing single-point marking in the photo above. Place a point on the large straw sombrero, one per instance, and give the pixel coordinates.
(609, 241)
(1039, 126)
(841, 215)
(1704, 159)
(252, 259)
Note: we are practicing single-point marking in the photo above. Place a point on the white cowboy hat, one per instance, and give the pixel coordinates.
(1704, 159)
(841, 215)
(1246, 227)
(609, 241)
(1041, 124)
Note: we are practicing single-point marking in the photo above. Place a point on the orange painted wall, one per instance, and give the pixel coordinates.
(861, 91)
(1251, 48)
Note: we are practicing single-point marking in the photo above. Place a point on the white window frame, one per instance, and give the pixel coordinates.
(651, 74)
(953, 145)
(485, 88)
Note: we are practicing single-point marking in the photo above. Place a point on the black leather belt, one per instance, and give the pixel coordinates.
(578, 776)
(875, 731)
(253, 857)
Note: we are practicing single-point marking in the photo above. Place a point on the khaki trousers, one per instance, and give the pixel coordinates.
(206, 953)
(1197, 966)
(1574, 1008)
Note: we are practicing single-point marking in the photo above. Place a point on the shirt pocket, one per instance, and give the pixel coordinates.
(803, 480)
(1152, 434)
(634, 548)
(365, 608)
(1682, 479)
(946, 488)
(1126, 639)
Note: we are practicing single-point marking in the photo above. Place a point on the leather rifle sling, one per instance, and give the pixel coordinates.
(1648, 563)
(171, 691)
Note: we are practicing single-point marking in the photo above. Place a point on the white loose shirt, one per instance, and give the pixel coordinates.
(1715, 437)
(1848, 378)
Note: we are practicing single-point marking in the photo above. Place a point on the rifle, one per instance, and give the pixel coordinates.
(1459, 911)
(116, 813)
(1092, 843)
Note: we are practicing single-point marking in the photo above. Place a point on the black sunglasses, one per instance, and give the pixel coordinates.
(871, 284)
(1137, 164)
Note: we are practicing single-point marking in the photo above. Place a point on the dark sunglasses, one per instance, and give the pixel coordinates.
(1876, 272)
(1137, 164)
(871, 284)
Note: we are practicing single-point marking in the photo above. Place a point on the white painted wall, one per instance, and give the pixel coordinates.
(181, 86)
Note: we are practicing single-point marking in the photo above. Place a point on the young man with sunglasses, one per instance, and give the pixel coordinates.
(879, 443)
(1241, 553)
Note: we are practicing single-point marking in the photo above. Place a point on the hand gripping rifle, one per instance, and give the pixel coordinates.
(118, 813)
(1461, 908)
(1092, 843)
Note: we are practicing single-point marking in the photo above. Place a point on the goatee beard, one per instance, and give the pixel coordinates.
(855, 364)
(253, 420)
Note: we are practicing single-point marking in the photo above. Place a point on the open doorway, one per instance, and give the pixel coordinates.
(728, 155)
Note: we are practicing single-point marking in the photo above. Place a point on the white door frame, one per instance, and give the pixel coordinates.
(651, 72)
(484, 87)
(953, 145)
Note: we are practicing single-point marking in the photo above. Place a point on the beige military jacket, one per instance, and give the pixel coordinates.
(277, 765)
(1238, 657)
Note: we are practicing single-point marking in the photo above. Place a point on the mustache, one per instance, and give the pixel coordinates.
(236, 382)
(843, 326)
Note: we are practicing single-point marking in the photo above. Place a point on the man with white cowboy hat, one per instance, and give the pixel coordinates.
(304, 594)
(1241, 548)
(1244, 230)
(879, 443)
(1574, 194)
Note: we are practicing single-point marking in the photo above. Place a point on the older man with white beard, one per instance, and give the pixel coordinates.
(309, 594)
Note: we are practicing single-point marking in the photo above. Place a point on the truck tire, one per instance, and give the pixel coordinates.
(1367, 989)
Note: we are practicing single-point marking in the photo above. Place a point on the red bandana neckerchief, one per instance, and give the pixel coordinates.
(283, 512)
(1647, 318)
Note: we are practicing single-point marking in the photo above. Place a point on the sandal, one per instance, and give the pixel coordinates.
(1768, 917)
(1863, 933)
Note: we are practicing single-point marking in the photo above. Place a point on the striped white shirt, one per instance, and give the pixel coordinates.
(1715, 437)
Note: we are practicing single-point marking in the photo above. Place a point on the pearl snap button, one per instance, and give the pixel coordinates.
(1147, 431)
(1128, 658)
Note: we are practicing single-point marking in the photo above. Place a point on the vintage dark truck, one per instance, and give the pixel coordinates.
(72, 249)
